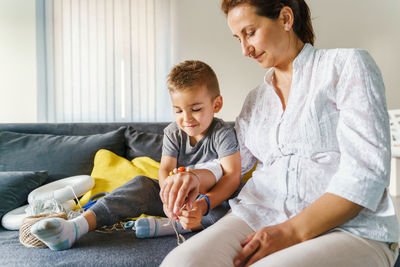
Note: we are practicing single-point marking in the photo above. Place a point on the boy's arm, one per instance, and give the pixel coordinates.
(167, 164)
(227, 185)
(184, 188)
(181, 186)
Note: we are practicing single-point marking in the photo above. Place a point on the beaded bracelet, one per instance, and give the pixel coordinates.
(183, 169)
(208, 203)
(180, 169)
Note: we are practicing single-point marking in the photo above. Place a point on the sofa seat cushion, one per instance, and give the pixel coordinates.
(120, 248)
(15, 187)
(61, 155)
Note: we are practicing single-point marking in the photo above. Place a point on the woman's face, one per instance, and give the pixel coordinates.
(261, 38)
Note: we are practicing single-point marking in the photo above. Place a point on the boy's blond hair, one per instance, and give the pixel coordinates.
(191, 73)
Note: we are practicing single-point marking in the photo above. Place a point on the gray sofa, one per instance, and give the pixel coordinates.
(68, 149)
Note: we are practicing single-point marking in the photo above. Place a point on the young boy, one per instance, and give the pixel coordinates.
(195, 138)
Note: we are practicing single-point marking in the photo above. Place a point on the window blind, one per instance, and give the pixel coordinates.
(107, 60)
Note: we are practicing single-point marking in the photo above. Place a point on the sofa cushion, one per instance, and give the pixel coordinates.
(61, 155)
(118, 248)
(15, 187)
(141, 144)
(111, 171)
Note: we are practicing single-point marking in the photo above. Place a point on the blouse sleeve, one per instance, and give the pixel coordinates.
(241, 127)
(363, 133)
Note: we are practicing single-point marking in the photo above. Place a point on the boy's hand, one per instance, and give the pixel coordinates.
(179, 189)
(166, 211)
(191, 218)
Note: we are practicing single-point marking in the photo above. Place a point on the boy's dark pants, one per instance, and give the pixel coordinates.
(140, 196)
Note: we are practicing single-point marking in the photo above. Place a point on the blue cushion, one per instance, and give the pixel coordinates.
(15, 187)
(61, 155)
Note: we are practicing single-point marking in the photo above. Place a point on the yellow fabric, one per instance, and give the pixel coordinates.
(249, 174)
(111, 171)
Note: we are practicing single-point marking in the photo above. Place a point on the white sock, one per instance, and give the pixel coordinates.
(152, 227)
(60, 234)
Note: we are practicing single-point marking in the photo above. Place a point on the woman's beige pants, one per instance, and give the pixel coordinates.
(219, 244)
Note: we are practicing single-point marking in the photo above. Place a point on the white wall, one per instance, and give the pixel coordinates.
(368, 24)
(17, 61)
(201, 32)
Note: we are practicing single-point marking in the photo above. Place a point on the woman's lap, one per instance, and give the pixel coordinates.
(215, 246)
(220, 243)
(337, 248)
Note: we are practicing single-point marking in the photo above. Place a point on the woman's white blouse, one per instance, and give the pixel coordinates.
(333, 137)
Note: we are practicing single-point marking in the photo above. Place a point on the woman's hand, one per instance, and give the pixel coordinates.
(191, 218)
(179, 189)
(327, 212)
(264, 242)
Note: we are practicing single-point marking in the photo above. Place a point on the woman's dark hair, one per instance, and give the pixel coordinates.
(302, 26)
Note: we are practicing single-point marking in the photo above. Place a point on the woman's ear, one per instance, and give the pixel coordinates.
(287, 18)
(218, 102)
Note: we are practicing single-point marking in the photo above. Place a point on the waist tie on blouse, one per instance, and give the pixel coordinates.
(285, 150)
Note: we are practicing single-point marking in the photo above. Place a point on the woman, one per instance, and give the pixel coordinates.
(318, 128)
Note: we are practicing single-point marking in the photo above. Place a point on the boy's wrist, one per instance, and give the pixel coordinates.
(204, 205)
(161, 181)
(195, 175)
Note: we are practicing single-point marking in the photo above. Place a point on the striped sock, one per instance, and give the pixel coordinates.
(151, 227)
(60, 234)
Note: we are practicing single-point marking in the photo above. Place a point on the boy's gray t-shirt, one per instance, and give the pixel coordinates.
(220, 141)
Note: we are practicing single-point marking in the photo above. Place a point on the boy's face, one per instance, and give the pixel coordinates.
(194, 110)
